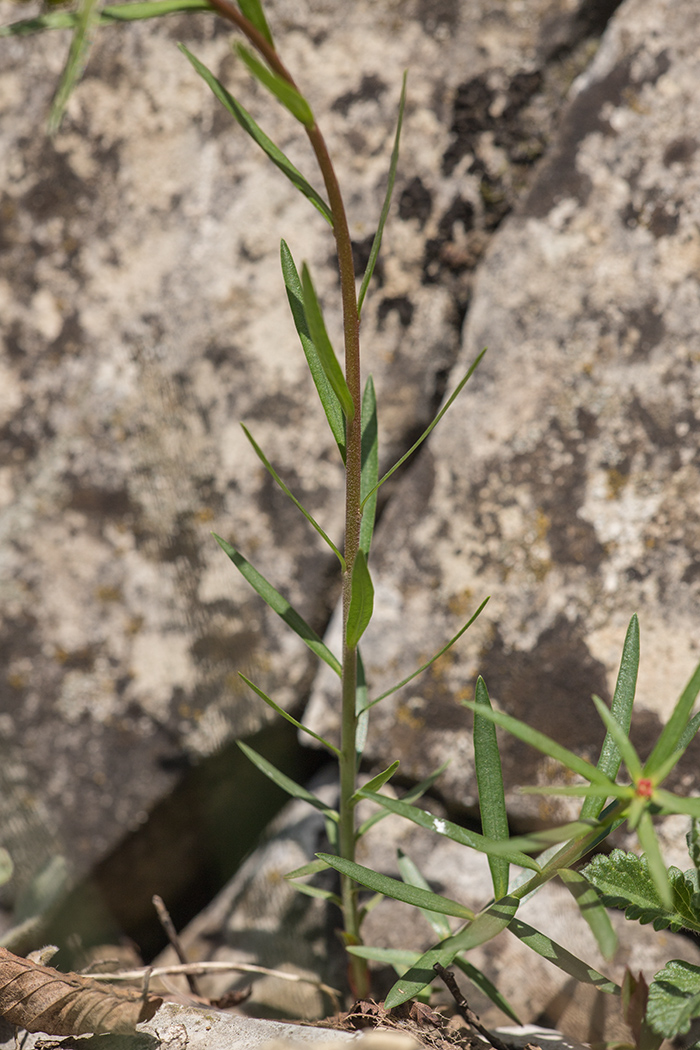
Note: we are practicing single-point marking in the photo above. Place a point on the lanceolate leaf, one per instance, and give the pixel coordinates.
(361, 709)
(567, 962)
(109, 15)
(312, 521)
(252, 9)
(432, 425)
(450, 830)
(379, 781)
(416, 792)
(399, 891)
(624, 881)
(361, 601)
(285, 714)
(87, 19)
(621, 739)
(258, 135)
(674, 998)
(328, 397)
(280, 605)
(592, 910)
(489, 779)
(377, 242)
(370, 464)
(324, 349)
(621, 708)
(411, 875)
(485, 926)
(285, 782)
(281, 89)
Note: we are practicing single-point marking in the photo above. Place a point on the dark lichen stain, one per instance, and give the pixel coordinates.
(225, 647)
(59, 191)
(648, 321)
(415, 202)
(371, 88)
(434, 15)
(98, 502)
(680, 150)
(550, 688)
(399, 305)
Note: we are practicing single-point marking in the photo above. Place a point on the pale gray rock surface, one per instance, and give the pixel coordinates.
(144, 316)
(566, 481)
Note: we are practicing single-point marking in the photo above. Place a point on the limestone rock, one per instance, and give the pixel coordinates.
(566, 481)
(144, 316)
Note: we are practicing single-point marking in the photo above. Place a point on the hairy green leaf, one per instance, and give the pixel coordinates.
(621, 708)
(379, 781)
(567, 962)
(108, 16)
(277, 86)
(450, 830)
(87, 20)
(252, 9)
(624, 881)
(327, 396)
(399, 891)
(285, 714)
(674, 998)
(489, 779)
(273, 473)
(377, 242)
(483, 928)
(324, 348)
(361, 601)
(280, 605)
(285, 782)
(258, 135)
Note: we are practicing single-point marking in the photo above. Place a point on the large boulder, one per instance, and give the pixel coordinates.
(144, 316)
(565, 482)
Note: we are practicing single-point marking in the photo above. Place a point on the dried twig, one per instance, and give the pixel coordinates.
(202, 968)
(169, 927)
(465, 1010)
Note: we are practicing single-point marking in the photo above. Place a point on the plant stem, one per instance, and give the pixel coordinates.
(358, 971)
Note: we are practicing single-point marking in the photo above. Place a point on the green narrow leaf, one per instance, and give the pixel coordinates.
(252, 9)
(416, 792)
(326, 353)
(567, 962)
(411, 875)
(688, 733)
(674, 998)
(543, 743)
(621, 739)
(377, 242)
(674, 728)
(286, 783)
(312, 868)
(87, 20)
(285, 714)
(327, 396)
(425, 666)
(592, 910)
(657, 868)
(671, 803)
(482, 982)
(281, 89)
(485, 926)
(258, 135)
(489, 779)
(273, 473)
(280, 605)
(450, 830)
(621, 708)
(317, 891)
(376, 782)
(399, 891)
(108, 16)
(431, 426)
(370, 464)
(361, 601)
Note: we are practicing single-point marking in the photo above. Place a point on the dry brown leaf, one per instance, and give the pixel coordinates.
(41, 999)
